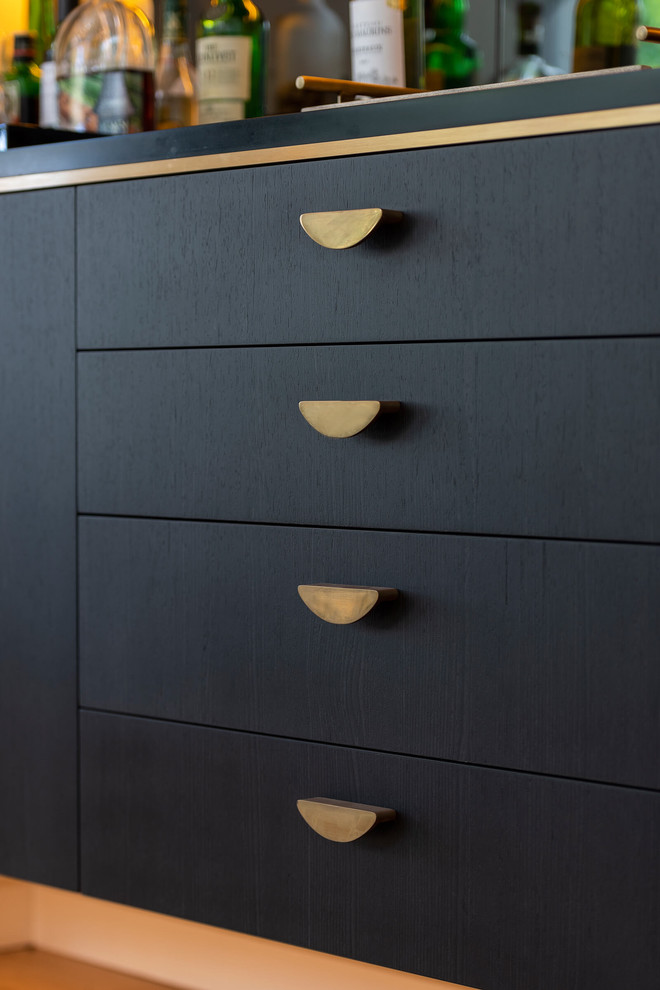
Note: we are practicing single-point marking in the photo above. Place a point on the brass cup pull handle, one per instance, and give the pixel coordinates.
(344, 419)
(342, 821)
(342, 604)
(341, 229)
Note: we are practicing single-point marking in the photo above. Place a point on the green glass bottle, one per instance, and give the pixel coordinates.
(452, 58)
(22, 82)
(231, 61)
(43, 23)
(605, 34)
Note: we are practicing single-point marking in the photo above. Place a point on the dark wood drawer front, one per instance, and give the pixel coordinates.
(484, 252)
(487, 878)
(513, 653)
(542, 438)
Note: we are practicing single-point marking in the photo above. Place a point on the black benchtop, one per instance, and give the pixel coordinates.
(565, 95)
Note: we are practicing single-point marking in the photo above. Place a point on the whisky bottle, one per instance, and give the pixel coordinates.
(452, 58)
(387, 42)
(529, 64)
(231, 61)
(22, 82)
(176, 95)
(605, 34)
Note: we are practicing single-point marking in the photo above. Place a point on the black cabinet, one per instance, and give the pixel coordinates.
(506, 705)
(38, 768)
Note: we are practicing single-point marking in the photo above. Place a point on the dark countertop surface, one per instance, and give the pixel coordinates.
(481, 105)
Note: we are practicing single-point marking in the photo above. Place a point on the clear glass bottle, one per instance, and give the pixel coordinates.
(309, 40)
(452, 58)
(48, 112)
(98, 39)
(176, 93)
(528, 63)
(387, 42)
(605, 34)
(22, 81)
(231, 61)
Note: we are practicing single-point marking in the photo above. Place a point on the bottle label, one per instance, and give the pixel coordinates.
(223, 65)
(12, 101)
(377, 52)
(217, 111)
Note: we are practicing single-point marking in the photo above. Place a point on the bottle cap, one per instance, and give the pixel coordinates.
(25, 44)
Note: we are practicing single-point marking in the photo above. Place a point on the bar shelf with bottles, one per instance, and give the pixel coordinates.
(177, 63)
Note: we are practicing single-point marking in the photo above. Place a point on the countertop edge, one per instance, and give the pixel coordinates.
(570, 105)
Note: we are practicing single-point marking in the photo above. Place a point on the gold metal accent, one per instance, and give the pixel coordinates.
(342, 821)
(344, 419)
(342, 604)
(341, 229)
(347, 87)
(645, 33)
(503, 130)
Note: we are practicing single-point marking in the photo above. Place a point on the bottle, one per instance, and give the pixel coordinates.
(605, 34)
(387, 42)
(48, 112)
(176, 94)
(231, 61)
(528, 63)
(452, 58)
(22, 82)
(101, 39)
(42, 21)
(4, 65)
(48, 115)
(309, 40)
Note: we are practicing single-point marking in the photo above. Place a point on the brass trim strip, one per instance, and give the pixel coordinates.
(504, 130)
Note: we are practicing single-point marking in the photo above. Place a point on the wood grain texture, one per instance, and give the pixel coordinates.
(38, 970)
(513, 653)
(496, 880)
(542, 438)
(37, 539)
(485, 250)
